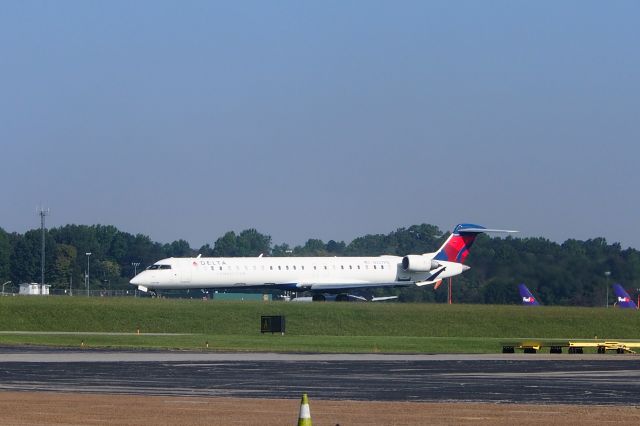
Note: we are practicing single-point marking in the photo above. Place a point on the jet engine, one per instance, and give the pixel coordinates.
(417, 263)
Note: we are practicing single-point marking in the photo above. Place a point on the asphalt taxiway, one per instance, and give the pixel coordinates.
(508, 378)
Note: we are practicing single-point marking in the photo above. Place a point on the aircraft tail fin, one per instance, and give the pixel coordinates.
(456, 248)
(527, 297)
(623, 299)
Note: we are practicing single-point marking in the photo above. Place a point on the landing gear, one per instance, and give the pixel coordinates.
(342, 297)
(318, 298)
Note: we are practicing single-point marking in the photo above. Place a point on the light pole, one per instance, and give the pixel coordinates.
(88, 254)
(4, 285)
(135, 272)
(135, 267)
(607, 274)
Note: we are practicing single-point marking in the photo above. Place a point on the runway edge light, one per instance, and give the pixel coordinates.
(304, 419)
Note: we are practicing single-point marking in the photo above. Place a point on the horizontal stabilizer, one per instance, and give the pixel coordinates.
(480, 230)
(423, 283)
(456, 247)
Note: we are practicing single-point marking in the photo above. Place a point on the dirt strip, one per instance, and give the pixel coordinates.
(43, 408)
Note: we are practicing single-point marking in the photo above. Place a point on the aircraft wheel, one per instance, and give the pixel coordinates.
(318, 298)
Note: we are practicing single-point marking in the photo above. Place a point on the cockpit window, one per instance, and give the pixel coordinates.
(152, 267)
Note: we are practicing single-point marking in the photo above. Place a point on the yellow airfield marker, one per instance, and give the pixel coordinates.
(304, 419)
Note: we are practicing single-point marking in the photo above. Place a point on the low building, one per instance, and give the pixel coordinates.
(34, 289)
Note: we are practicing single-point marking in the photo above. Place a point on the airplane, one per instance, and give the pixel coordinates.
(624, 301)
(320, 275)
(527, 297)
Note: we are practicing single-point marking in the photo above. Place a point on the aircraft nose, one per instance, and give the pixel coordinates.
(136, 280)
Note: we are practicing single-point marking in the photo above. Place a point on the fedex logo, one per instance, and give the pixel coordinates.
(528, 299)
(623, 299)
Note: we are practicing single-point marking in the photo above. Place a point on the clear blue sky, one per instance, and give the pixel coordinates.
(331, 120)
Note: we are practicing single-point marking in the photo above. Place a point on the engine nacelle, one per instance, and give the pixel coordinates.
(417, 263)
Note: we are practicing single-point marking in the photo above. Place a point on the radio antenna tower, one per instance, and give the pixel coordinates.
(42, 212)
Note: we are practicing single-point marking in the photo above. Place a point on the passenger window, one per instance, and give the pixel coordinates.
(381, 266)
(350, 267)
(287, 267)
(294, 267)
(271, 267)
(221, 268)
(279, 268)
(375, 267)
(341, 266)
(302, 267)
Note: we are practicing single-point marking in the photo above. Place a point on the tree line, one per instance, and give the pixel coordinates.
(570, 273)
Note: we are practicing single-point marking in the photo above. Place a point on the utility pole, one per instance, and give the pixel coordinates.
(42, 212)
(88, 254)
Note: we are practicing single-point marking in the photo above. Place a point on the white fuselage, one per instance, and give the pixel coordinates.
(292, 273)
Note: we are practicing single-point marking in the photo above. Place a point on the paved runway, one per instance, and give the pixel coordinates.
(568, 379)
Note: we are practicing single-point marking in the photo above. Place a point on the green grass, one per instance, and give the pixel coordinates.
(312, 327)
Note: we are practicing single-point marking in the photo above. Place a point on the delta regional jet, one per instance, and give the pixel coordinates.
(320, 275)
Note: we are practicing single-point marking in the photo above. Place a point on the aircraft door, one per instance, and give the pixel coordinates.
(186, 270)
